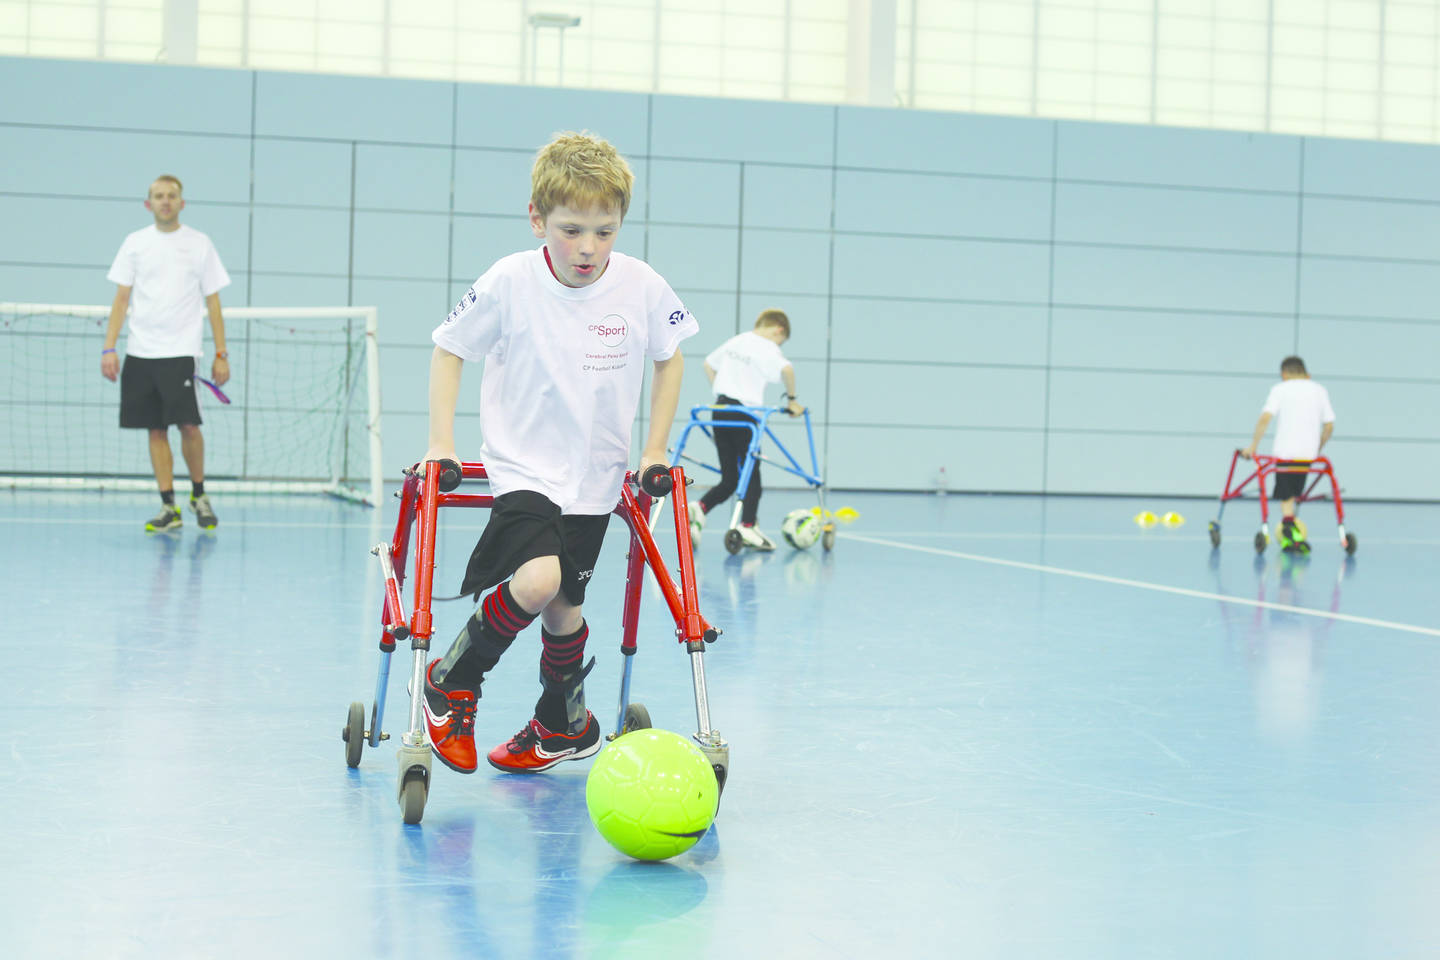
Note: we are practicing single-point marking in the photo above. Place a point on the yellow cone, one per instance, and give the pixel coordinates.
(1172, 519)
(847, 514)
(1145, 518)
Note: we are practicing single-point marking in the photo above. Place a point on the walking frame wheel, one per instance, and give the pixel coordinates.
(353, 733)
(414, 781)
(1261, 541)
(733, 543)
(1351, 543)
(827, 539)
(1214, 534)
(636, 718)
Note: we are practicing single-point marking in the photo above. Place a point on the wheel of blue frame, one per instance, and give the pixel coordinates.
(1260, 541)
(413, 792)
(827, 539)
(354, 734)
(733, 543)
(1351, 543)
(1214, 534)
(636, 718)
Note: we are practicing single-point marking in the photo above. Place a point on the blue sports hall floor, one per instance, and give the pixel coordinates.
(982, 726)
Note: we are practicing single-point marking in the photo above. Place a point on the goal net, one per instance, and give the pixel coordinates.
(304, 413)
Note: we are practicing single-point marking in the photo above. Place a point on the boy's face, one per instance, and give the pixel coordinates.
(165, 202)
(579, 241)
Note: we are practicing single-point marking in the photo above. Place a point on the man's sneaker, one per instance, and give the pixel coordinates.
(752, 537)
(697, 526)
(203, 514)
(535, 748)
(450, 721)
(167, 519)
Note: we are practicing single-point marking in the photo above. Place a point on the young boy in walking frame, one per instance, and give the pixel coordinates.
(564, 331)
(1304, 421)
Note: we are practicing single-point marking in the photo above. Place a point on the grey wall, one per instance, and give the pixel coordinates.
(1034, 305)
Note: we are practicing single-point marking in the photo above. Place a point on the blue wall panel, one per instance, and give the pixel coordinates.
(703, 258)
(1161, 403)
(288, 240)
(400, 244)
(525, 118)
(907, 458)
(402, 178)
(112, 163)
(1174, 279)
(1357, 168)
(881, 328)
(694, 191)
(408, 309)
(943, 142)
(274, 290)
(785, 261)
(477, 242)
(302, 173)
(322, 107)
(1161, 217)
(1156, 340)
(795, 197)
(495, 181)
(1369, 348)
(715, 312)
(56, 283)
(1166, 156)
(1145, 463)
(79, 93)
(49, 230)
(1374, 288)
(868, 201)
(940, 269)
(936, 395)
(761, 131)
(1387, 410)
(1371, 228)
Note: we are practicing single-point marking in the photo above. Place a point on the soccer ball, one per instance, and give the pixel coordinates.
(801, 528)
(652, 794)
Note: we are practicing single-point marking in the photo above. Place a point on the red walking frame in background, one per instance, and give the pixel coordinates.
(1268, 466)
(423, 494)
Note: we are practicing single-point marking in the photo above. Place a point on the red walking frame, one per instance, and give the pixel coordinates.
(1268, 466)
(423, 494)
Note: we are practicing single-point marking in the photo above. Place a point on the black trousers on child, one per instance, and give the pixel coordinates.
(731, 445)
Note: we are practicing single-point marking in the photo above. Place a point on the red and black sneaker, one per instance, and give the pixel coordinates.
(450, 721)
(535, 748)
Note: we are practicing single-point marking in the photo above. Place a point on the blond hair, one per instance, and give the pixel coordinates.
(581, 171)
(166, 178)
(773, 318)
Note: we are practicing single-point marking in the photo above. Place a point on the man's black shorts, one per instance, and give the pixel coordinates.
(524, 525)
(156, 392)
(1290, 478)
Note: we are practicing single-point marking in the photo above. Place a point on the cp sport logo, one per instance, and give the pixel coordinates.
(611, 330)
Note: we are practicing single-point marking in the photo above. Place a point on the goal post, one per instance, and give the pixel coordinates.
(304, 415)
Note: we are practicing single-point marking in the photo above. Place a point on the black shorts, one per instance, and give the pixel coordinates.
(158, 391)
(524, 525)
(1289, 479)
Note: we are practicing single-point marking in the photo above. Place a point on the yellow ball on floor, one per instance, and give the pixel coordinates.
(1172, 519)
(1146, 519)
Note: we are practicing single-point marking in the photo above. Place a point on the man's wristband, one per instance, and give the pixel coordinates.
(103, 352)
(223, 355)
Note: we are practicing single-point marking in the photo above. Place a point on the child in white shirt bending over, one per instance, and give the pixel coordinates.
(739, 370)
(1304, 421)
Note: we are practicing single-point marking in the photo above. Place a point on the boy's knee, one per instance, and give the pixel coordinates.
(536, 583)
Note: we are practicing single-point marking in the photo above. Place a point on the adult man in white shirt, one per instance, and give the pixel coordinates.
(167, 278)
(1304, 421)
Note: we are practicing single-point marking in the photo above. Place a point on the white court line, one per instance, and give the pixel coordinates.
(1159, 588)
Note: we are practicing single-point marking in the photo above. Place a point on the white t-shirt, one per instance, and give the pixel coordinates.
(744, 364)
(170, 274)
(1301, 407)
(563, 369)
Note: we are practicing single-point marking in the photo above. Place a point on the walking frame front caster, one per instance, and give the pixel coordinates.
(1268, 466)
(421, 495)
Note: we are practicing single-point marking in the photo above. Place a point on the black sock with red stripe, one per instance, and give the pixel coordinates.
(486, 637)
(561, 707)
